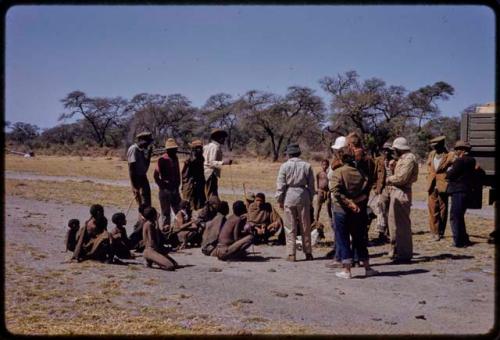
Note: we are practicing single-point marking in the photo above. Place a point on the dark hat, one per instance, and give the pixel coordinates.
(461, 145)
(144, 135)
(437, 140)
(292, 148)
(217, 132)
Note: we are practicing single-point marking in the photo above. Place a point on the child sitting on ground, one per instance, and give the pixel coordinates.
(119, 239)
(70, 240)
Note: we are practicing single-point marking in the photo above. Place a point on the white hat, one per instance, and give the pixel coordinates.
(340, 142)
(400, 143)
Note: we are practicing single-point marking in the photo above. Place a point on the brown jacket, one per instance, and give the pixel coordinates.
(436, 178)
(348, 185)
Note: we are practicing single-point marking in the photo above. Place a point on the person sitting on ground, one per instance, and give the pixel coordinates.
(119, 239)
(93, 238)
(209, 210)
(70, 239)
(154, 252)
(135, 240)
(265, 220)
(249, 199)
(187, 234)
(212, 229)
(233, 238)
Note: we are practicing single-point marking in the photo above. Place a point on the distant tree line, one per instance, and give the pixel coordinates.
(258, 122)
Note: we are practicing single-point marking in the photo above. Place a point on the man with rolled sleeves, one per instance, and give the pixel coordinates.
(139, 158)
(399, 184)
(294, 193)
(212, 153)
(438, 161)
(168, 178)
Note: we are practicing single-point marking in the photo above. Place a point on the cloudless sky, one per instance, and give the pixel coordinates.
(203, 50)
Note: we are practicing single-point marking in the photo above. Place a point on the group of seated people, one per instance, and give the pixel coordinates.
(226, 237)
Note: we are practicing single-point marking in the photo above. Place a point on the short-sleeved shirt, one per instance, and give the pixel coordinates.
(140, 157)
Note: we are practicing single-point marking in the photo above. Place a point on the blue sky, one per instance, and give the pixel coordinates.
(202, 50)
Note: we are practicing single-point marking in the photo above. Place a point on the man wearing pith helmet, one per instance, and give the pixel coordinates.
(399, 184)
(212, 153)
(294, 193)
(438, 162)
(139, 158)
(167, 177)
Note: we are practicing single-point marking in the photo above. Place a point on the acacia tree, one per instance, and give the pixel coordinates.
(220, 110)
(23, 133)
(101, 113)
(378, 111)
(282, 119)
(164, 116)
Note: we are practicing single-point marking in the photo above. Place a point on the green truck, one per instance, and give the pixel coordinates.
(478, 128)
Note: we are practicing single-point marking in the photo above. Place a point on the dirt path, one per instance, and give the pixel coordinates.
(486, 211)
(451, 291)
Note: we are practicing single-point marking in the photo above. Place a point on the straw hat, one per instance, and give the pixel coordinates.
(171, 144)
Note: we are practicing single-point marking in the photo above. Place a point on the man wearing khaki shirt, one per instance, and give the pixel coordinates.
(399, 185)
(294, 193)
(212, 153)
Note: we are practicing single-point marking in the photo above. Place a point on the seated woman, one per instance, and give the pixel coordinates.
(154, 252)
(93, 239)
(265, 220)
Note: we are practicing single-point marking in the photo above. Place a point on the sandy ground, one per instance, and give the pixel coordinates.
(450, 291)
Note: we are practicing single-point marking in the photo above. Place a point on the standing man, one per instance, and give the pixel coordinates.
(380, 201)
(139, 158)
(193, 177)
(323, 196)
(294, 193)
(404, 175)
(438, 161)
(168, 178)
(212, 153)
(460, 176)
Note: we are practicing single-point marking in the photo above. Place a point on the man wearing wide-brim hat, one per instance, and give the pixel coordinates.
(167, 177)
(400, 192)
(438, 161)
(139, 158)
(294, 193)
(460, 179)
(212, 153)
(380, 200)
(193, 177)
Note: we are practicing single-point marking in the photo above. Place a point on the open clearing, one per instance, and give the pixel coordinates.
(444, 290)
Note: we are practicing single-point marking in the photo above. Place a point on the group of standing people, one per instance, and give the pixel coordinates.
(353, 183)
(350, 185)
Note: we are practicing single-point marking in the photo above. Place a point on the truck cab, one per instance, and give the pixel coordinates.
(478, 128)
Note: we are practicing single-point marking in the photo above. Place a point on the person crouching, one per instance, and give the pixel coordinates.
(234, 239)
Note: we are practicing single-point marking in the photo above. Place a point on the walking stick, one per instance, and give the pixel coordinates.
(129, 206)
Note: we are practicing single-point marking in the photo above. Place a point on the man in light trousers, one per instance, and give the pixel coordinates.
(399, 184)
(294, 193)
